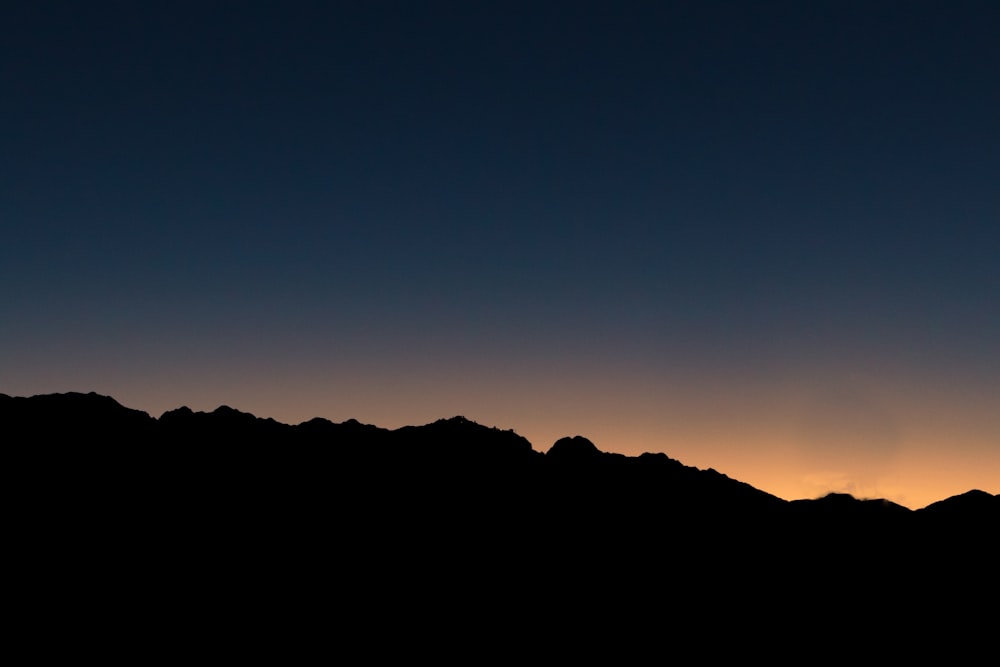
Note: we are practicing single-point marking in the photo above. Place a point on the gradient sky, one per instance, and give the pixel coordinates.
(762, 237)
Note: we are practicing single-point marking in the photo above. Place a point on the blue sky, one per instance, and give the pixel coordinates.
(658, 224)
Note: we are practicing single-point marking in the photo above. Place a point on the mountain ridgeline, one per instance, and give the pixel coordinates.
(451, 465)
(451, 511)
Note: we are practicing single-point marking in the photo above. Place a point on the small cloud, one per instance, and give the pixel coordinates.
(861, 487)
(846, 440)
(830, 482)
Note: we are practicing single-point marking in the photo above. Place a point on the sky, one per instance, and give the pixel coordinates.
(761, 237)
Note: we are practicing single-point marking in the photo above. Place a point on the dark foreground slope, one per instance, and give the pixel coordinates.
(453, 525)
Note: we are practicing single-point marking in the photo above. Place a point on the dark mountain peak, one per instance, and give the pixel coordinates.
(90, 397)
(349, 438)
(463, 426)
(360, 429)
(660, 457)
(74, 415)
(838, 497)
(462, 439)
(183, 411)
(974, 502)
(833, 499)
(839, 501)
(657, 461)
(320, 424)
(79, 402)
(223, 425)
(457, 420)
(877, 521)
(575, 448)
(232, 414)
(450, 424)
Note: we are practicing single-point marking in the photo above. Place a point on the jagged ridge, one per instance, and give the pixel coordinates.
(450, 520)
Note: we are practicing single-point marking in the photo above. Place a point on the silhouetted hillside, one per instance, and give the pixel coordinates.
(455, 512)
(573, 475)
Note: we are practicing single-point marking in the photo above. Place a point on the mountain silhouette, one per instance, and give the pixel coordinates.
(424, 460)
(452, 518)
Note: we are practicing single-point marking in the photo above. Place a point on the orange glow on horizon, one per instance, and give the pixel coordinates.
(797, 435)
